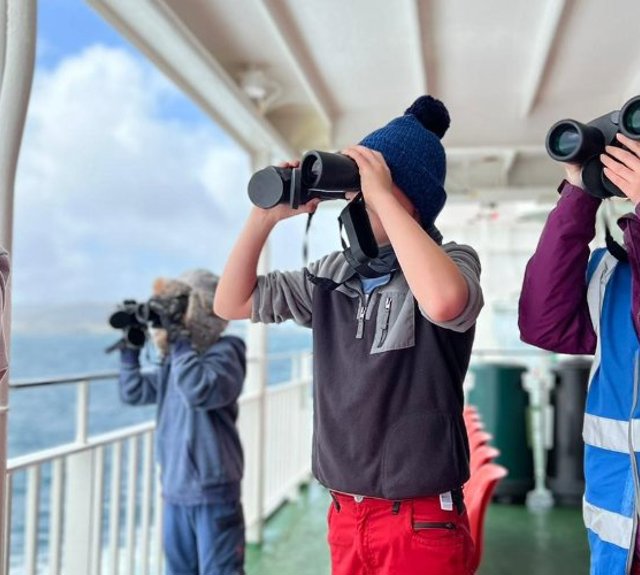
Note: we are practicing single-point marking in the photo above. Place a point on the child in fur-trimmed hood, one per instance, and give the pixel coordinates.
(196, 387)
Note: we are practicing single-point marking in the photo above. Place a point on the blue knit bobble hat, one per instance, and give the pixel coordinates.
(412, 149)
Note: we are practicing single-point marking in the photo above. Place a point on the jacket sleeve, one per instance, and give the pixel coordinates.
(466, 258)
(211, 380)
(553, 310)
(280, 296)
(630, 225)
(4, 277)
(137, 387)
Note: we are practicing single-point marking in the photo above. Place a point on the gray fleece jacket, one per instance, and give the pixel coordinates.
(387, 378)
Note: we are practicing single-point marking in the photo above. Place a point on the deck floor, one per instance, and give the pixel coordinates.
(516, 540)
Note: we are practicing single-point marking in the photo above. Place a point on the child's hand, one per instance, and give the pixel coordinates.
(573, 174)
(284, 211)
(622, 167)
(375, 177)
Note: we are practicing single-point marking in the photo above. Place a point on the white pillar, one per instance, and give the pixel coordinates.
(17, 57)
(256, 382)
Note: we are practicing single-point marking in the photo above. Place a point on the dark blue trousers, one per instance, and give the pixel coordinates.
(204, 539)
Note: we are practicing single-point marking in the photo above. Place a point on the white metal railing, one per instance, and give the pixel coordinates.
(93, 506)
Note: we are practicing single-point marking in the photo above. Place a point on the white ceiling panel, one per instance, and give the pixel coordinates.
(506, 69)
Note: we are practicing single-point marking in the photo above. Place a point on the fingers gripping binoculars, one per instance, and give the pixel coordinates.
(573, 142)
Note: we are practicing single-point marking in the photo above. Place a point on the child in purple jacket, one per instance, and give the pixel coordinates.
(577, 302)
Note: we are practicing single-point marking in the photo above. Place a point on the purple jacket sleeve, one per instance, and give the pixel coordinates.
(553, 311)
(630, 224)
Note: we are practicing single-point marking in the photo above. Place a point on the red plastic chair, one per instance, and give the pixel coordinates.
(481, 456)
(477, 494)
(471, 417)
(470, 410)
(478, 438)
(473, 426)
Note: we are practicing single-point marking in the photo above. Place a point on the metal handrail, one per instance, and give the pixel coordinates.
(106, 375)
(42, 456)
(64, 379)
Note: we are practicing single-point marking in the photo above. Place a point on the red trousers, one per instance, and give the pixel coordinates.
(412, 537)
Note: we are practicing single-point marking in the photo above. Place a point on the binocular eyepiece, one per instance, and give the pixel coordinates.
(321, 175)
(573, 142)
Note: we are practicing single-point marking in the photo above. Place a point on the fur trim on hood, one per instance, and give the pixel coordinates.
(203, 326)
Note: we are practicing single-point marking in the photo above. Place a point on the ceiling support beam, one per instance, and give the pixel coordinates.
(157, 32)
(298, 55)
(417, 32)
(480, 152)
(542, 51)
(509, 159)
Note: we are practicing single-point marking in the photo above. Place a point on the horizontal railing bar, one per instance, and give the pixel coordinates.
(510, 352)
(64, 379)
(39, 457)
(18, 463)
(106, 375)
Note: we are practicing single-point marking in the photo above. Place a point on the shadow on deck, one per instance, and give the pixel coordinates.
(516, 540)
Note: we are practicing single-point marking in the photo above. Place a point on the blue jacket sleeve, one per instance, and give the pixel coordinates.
(137, 387)
(213, 379)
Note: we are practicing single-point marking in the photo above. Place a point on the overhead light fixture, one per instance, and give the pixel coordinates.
(261, 90)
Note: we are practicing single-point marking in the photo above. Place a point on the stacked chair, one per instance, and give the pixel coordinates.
(485, 475)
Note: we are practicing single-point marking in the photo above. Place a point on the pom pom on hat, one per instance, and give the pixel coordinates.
(410, 144)
(432, 114)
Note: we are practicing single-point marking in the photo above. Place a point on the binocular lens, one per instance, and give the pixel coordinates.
(565, 140)
(631, 119)
(120, 319)
(136, 336)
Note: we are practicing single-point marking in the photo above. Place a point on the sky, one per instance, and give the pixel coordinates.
(121, 178)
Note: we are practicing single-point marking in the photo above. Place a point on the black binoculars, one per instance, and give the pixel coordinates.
(321, 175)
(573, 142)
(133, 318)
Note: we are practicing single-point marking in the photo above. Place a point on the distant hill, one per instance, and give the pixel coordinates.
(92, 318)
(89, 317)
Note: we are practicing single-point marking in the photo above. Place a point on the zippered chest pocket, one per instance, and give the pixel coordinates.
(395, 322)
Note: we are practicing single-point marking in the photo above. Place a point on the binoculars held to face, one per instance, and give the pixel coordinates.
(134, 318)
(321, 175)
(327, 176)
(573, 142)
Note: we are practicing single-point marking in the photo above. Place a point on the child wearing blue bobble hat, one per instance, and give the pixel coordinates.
(390, 355)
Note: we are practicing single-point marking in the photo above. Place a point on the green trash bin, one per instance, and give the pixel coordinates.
(503, 404)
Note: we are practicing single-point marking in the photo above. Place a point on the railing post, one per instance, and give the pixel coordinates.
(82, 412)
(78, 513)
(80, 482)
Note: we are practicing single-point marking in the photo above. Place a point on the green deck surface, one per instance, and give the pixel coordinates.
(517, 542)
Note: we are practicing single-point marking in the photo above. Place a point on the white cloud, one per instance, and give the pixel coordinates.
(112, 192)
